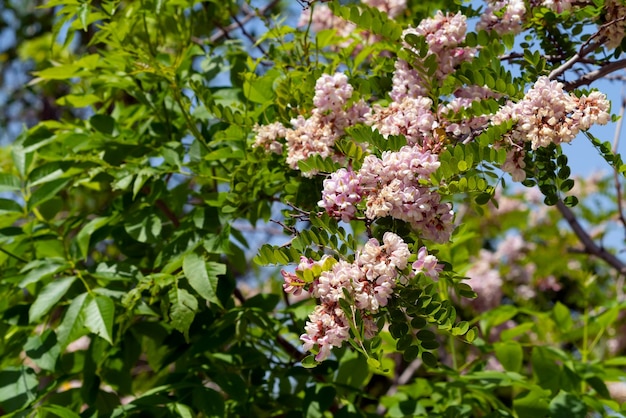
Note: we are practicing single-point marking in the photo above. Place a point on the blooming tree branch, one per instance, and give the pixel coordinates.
(589, 244)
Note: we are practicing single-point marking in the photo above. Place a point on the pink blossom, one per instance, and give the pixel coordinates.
(293, 284)
(548, 114)
(332, 92)
(485, 280)
(393, 8)
(391, 186)
(411, 117)
(509, 19)
(341, 194)
(427, 264)
(267, 135)
(327, 327)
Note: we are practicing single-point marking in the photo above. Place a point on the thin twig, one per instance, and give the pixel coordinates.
(592, 76)
(249, 35)
(250, 14)
(587, 47)
(616, 174)
(590, 246)
(402, 379)
(10, 254)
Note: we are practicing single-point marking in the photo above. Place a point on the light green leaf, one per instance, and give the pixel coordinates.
(43, 350)
(72, 326)
(40, 269)
(83, 14)
(202, 280)
(9, 182)
(48, 297)
(99, 312)
(531, 404)
(62, 72)
(562, 317)
(182, 310)
(21, 159)
(78, 100)
(60, 411)
(510, 355)
(18, 387)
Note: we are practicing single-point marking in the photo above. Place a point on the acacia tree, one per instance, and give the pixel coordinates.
(369, 149)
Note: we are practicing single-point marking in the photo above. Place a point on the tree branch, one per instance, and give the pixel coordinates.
(250, 14)
(592, 76)
(590, 246)
(588, 46)
(616, 174)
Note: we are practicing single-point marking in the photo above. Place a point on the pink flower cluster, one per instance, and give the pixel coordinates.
(465, 128)
(411, 117)
(548, 114)
(342, 192)
(503, 16)
(427, 264)
(322, 18)
(295, 285)
(267, 135)
(317, 134)
(391, 187)
(558, 6)
(443, 34)
(369, 282)
(489, 270)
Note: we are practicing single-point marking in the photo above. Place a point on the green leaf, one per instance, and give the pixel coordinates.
(562, 317)
(48, 297)
(203, 280)
(260, 90)
(60, 411)
(103, 123)
(144, 226)
(567, 405)
(18, 387)
(8, 205)
(41, 269)
(182, 310)
(309, 362)
(99, 313)
(429, 359)
(62, 72)
(545, 368)
(43, 350)
(353, 370)
(46, 192)
(78, 100)
(532, 404)
(510, 355)
(72, 325)
(87, 231)
(9, 182)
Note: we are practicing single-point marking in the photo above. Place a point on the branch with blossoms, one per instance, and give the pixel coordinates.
(409, 149)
